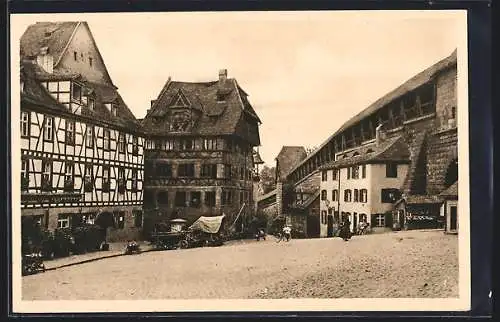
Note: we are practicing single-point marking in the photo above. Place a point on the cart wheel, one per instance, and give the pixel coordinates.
(183, 244)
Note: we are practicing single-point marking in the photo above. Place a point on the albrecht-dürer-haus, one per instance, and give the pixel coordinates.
(86, 158)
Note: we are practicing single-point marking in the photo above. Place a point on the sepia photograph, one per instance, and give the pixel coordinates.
(238, 161)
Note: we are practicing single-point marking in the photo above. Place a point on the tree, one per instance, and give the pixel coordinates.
(267, 179)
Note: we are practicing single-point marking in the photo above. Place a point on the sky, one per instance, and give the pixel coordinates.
(306, 73)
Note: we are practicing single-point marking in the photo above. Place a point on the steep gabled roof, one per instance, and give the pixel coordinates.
(56, 37)
(232, 116)
(393, 149)
(413, 83)
(53, 35)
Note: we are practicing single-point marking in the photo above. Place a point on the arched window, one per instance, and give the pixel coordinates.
(335, 195)
(323, 194)
(347, 195)
(363, 195)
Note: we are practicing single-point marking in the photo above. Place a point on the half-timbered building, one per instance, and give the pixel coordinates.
(199, 157)
(81, 147)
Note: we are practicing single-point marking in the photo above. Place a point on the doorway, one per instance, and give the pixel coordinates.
(329, 230)
(453, 218)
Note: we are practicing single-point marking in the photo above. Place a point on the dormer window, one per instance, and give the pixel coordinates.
(76, 92)
(221, 97)
(114, 110)
(91, 103)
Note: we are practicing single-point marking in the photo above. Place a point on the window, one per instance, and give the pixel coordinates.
(76, 92)
(105, 178)
(226, 197)
(88, 184)
(25, 181)
(323, 194)
(210, 198)
(209, 171)
(75, 55)
(164, 170)
(391, 170)
(137, 218)
(347, 195)
(335, 195)
(120, 219)
(210, 144)
(242, 173)
(187, 144)
(90, 61)
(363, 171)
(135, 145)
(390, 195)
(227, 171)
(107, 140)
(355, 172)
(356, 195)
(169, 145)
(348, 173)
(25, 124)
(363, 195)
(121, 143)
(379, 220)
(180, 199)
(89, 140)
(69, 182)
(195, 199)
(122, 186)
(185, 170)
(91, 103)
(323, 217)
(334, 174)
(48, 128)
(324, 175)
(63, 221)
(134, 180)
(47, 175)
(114, 109)
(70, 132)
(453, 112)
(162, 198)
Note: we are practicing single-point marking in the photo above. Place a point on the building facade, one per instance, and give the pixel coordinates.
(199, 157)
(81, 147)
(363, 187)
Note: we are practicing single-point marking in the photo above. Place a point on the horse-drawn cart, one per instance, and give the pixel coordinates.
(203, 232)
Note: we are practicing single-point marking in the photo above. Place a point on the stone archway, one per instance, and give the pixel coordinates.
(451, 175)
(105, 220)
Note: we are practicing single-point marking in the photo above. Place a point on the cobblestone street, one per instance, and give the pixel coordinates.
(403, 264)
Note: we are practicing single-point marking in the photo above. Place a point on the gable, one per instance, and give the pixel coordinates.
(180, 100)
(82, 56)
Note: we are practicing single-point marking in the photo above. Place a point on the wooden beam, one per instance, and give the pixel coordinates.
(402, 110)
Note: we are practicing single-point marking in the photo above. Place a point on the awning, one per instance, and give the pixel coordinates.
(209, 225)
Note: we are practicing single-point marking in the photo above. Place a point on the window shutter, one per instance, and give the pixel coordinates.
(373, 222)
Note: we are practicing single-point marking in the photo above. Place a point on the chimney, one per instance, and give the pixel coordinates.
(152, 102)
(45, 60)
(379, 135)
(222, 75)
